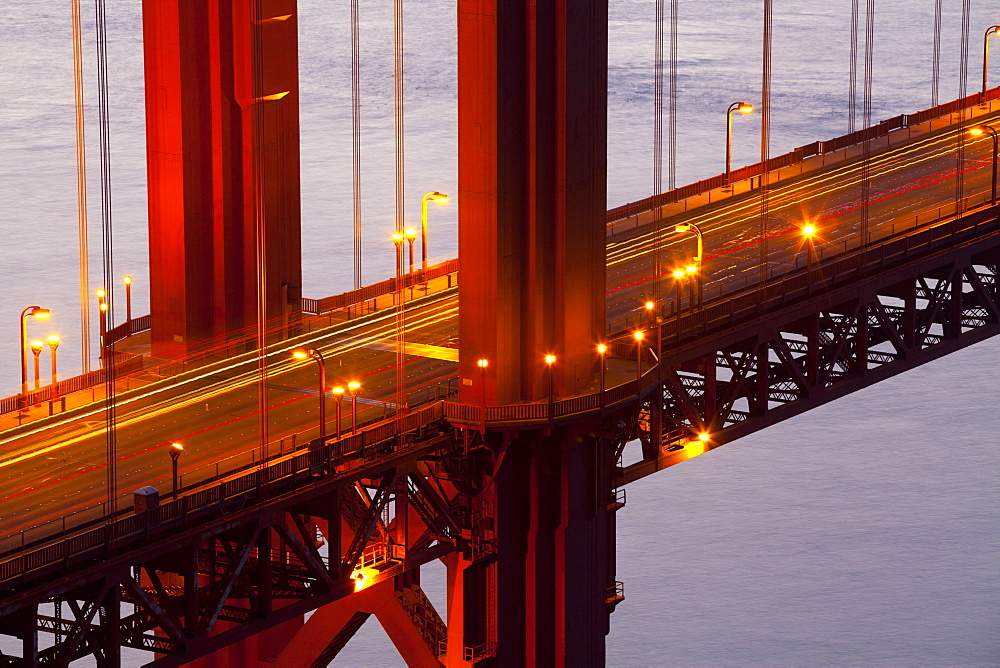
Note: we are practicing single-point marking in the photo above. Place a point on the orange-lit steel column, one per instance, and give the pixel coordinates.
(222, 136)
(532, 144)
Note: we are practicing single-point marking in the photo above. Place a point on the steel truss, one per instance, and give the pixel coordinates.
(743, 378)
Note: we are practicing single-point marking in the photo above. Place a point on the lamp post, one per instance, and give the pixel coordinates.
(338, 396)
(638, 335)
(36, 351)
(808, 231)
(679, 275)
(175, 453)
(482, 363)
(992, 30)
(692, 271)
(316, 356)
(743, 108)
(437, 198)
(127, 280)
(699, 260)
(550, 360)
(602, 350)
(981, 130)
(53, 344)
(411, 237)
(41, 314)
(354, 386)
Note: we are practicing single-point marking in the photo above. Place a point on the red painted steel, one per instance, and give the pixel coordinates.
(221, 108)
(532, 110)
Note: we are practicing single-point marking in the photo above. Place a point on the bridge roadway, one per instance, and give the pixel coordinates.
(56, 466)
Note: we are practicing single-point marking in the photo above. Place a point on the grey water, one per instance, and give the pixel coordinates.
(862, 533)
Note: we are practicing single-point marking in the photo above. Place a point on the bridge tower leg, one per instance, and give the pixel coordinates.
(222, 137)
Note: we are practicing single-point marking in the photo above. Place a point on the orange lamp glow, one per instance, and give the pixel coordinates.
(36, 347)
(639, 335)
(354, 385)
(410, 233)
(650, 306)
(977, 131)
(482, 363)
(550, 359)
(601, 348)
(703, 436)
(177, 447)
(101, 293)
(691, 269)
(53, 341)
(438, 198)
(300, 353)
(104, 307)
(127, 280)
(809, 230)
(745, 108)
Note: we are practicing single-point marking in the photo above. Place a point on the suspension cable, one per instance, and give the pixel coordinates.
(936, 65)
(397, 103)
(356, 137)
(867, 120)
(963, 80)
(852, 93)
(765, 145)
(658, 139)
(672, 102)
(108, 357)
(259, 221)
(81, 186)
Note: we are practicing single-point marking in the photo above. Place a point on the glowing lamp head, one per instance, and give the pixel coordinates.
(101, 293)
(104, 307)
(439, 198)
(977, 131)
(703, 437)
(397, 238)
(809, 230)
(300, 353)
(354, 386)
(601, 348)
(745, 108)
(337, 391)
(639, 335)
(679, 273)
(41, 313)
(550, 359)
(482, 363)
(691, 269)
(53, 341)
(684, 227)
(650, 305)
(127, 280)
(176, 447)
(36, 347)
(410, 233)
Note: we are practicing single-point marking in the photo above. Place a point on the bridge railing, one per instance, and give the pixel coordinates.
(816, 148)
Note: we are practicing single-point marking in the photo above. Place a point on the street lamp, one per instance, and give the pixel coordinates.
(411, 237)
(809, 231)
(482, 363)
(981, 130)
(699, 260)
(550, 359)
(41, 314)
(679, 276)
(53, 344)
(602, 350)
(743, 108)
(437, 198)
(175, 453)
(354, 386)
(692, 271)
(317, 356)
(338, 395)
(638, 335)
(127, 280)
(992, 30)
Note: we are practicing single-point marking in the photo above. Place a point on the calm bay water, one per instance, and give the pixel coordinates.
(865, 532)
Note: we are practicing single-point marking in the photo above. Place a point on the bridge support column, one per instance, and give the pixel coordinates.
(532, 178)
(222, 137)
(554, 561)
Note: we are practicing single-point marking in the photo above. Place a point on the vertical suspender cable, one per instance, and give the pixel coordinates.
(867, 120)
(81, 186)
(963, 79)
(852, 94)
(672, 102)
(765, 145)
(356, 137)
(108, 352)
(257, 117)
(936, 65)
(658, 140)
(397, 103)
